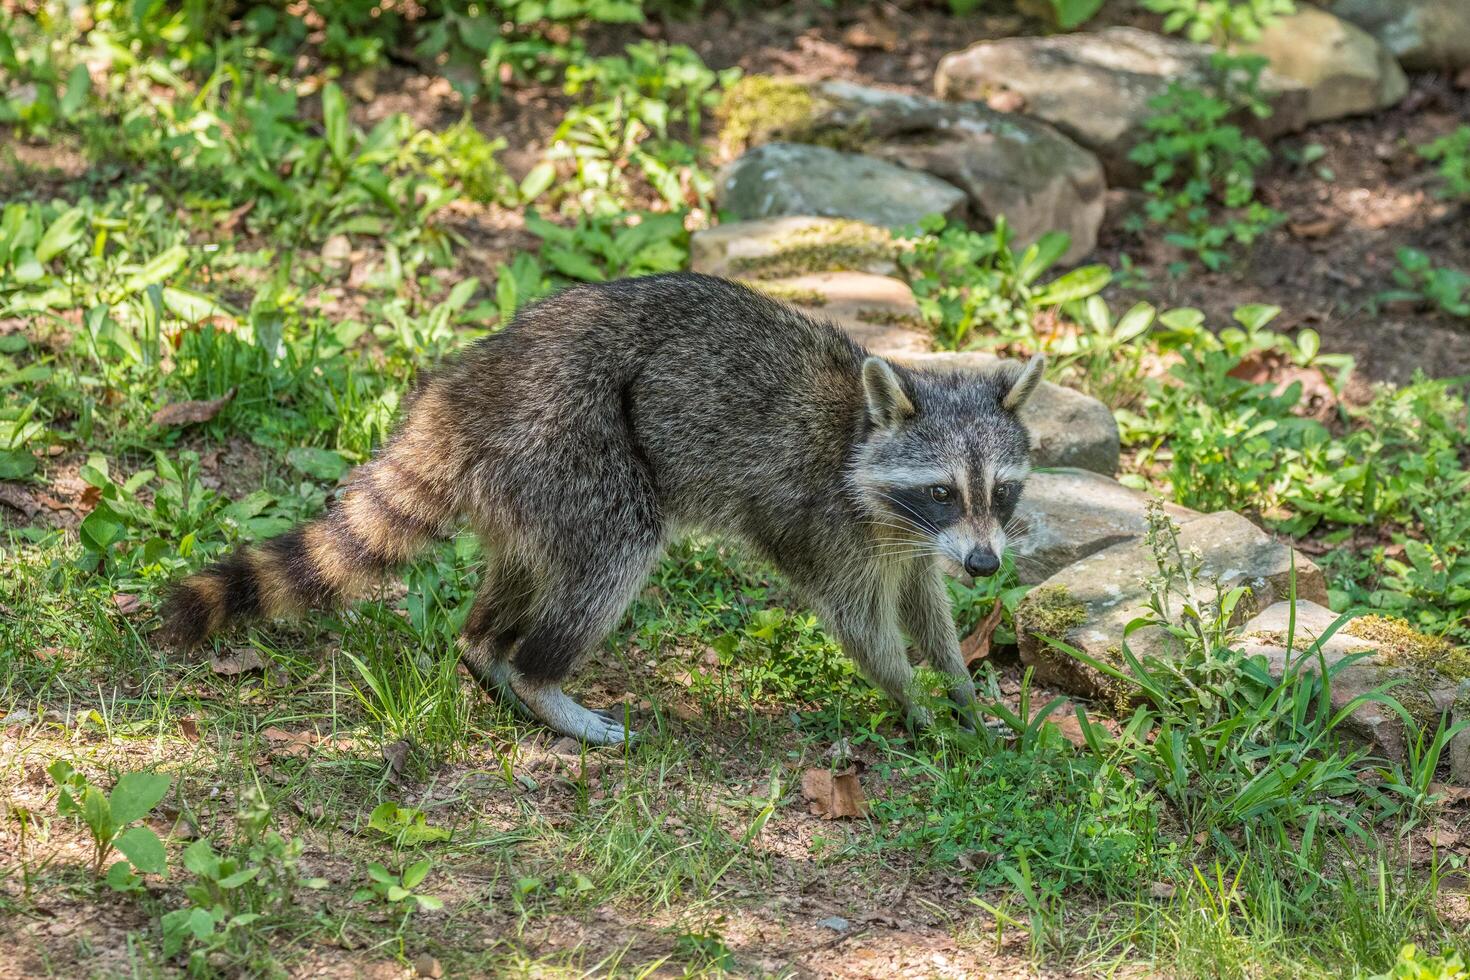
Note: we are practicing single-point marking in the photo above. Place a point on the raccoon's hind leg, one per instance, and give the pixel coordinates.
(503, 606)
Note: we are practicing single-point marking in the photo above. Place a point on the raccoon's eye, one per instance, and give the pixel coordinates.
(941, 494)
(1004, 493)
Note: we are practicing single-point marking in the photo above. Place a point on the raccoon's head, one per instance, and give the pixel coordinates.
(945, 460)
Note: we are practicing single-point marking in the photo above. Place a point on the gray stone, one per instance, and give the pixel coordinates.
(1425, 35)
(1089, 604)
(1067, 514)
(1422, 691)
(1067, 427)
(790, 178)
(876, 311)
(1009, 165)
(1095, 87)
(1344, 68)
(790, 246)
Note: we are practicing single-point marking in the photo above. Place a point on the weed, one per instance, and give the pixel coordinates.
(1421, 281)
(1452, 153)
(111, 820)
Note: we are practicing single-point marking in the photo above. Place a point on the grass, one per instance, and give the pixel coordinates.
(341, 797)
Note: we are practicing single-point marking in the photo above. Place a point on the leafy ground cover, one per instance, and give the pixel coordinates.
(221, 265)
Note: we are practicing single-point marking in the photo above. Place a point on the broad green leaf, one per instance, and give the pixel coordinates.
(135, 794)
(157, 269)
(416, 872)
(62, 234)
(537, 181)
(16, 463)
(96, 814)
(1254, 316)
(120, 877)
(1071, 14)
(238, 878)
(320, 464)
(1077, 284)
(142, 847)
(78, 87)
(335, 122)
(199, 857)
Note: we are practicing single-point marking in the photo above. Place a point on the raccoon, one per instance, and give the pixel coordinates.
(606, 421)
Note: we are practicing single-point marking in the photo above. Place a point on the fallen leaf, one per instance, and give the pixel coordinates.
(1441, 838)
(834, 796)
(1274, 369)
(236, 662)
(396, 755)
(976, 646)
(189, 728)
(233, 217)
(1318, 228)
(88, 501)
(189, 413)
(126, 604)
(1449, 795)
(1161, 889)
(280, 742)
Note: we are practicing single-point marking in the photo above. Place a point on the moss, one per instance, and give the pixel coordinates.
(1050, 610)
(1407, 647)
(837, 245)
(788, 294)
(761, 108)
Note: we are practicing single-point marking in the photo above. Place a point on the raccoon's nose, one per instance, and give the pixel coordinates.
(981, 562)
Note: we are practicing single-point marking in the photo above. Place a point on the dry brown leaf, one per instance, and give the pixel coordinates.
(290, 744)
(1441, 837)
(976, 646)
(126, 604)
(1317, 228)
(189, 728)
(1450, 795)
(1161, 890)
(834, 796)
(235, 662)
(233, 217)
(396, 755)
(189, 413)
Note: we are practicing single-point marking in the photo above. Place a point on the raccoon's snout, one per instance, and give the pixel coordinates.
(981, 562)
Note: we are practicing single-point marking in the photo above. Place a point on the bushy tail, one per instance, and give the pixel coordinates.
(388, 514)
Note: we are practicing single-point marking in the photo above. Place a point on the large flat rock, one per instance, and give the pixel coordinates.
(1425, 673)
(1095, 87)
(1424, 35)
(795, 245)
(1067, 427)
(878, 312)
(1009, 165)
(1345, 70)
(1091, 602)
(798, 179)
(1067, 514)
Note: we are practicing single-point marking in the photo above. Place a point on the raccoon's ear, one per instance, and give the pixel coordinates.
(1025, 384)
(888, 403)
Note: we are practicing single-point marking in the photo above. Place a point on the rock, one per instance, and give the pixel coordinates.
(834, 922)
(1344, 68)
(1095, 87)
(1067, 427)
(1425, 35)
(1008, 165)
(878, 312)
(1430, 675)
(790, 178)
(1068, 514)
(1090, 603)
(791, 246)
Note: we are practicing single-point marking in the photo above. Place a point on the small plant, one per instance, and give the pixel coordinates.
(704, 950)
(1421, 281)
(1452, 153)
(1415, 964)
(970, 283)
(255, 879)
(1219, 22)
(598, 249)
(1198, 161)
(407, 826)
(396, 890)
(113, 820)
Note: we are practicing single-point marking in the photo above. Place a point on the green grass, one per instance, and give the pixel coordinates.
(144, 281)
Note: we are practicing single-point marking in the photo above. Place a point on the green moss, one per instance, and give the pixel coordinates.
(761, 108)
(788, 294)
(1405, 646)
(836, 245)
(1050, 611)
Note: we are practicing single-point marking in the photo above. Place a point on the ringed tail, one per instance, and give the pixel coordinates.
(392, 508)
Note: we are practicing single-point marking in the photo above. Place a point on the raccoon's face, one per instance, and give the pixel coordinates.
(945, 462)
